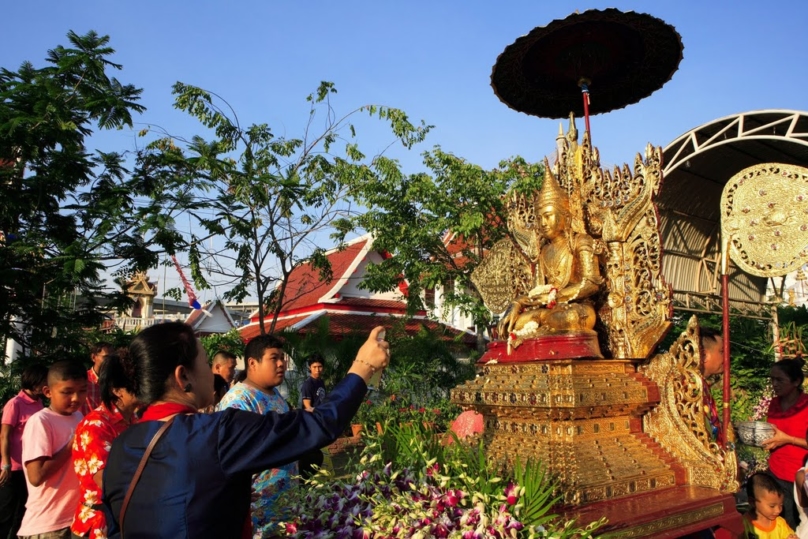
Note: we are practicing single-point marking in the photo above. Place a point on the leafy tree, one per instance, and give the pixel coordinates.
(116, 337)
(225, 342)
(67, 212)
(411, 215)
(423, 367)
(274, 198)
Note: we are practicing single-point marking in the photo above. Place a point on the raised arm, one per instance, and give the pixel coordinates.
(250, 443)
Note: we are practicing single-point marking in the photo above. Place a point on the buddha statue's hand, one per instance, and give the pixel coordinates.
(542, 289)
(546, 299)
(509, 319)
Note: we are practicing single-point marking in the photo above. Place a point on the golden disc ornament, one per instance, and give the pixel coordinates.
(764, 217)
(504, 274)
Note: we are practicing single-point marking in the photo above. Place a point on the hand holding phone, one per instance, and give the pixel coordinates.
(377, 376)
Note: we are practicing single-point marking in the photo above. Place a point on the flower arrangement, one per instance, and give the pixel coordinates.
(426, 490)
(761, 409)
(755, 459)
(398, 504)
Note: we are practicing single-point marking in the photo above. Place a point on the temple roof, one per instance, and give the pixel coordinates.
(352, 323)
(348, 308)
(219, 321)
(306, 288)
(140, 285)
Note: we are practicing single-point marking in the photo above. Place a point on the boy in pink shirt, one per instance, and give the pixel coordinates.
(13, 490)
(53, 487)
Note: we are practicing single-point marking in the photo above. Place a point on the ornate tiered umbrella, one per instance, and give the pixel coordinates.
(623, 56)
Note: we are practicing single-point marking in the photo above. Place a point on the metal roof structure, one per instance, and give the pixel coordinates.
(697, 166)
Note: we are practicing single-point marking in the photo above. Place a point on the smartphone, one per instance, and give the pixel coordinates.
(377, 376)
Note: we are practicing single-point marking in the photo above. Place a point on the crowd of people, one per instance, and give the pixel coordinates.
(145, 460)
(154, 441)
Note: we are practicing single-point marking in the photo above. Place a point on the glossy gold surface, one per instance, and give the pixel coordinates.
(764, 217)
(679, 423)
(605, 428)
(585, 249)
(580, 418)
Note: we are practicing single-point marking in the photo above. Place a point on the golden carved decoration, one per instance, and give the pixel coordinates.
(503, 274)
(764, 214)
(139, 285)
(613, 217)
(581, 418)
(679, 422)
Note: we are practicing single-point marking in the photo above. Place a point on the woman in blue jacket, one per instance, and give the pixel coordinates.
(196, 481)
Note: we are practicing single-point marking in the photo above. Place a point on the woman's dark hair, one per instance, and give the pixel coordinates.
(761, 481)
(34, 377)
(117, 372)
(156, 352)
(793, 369)
(220, 387)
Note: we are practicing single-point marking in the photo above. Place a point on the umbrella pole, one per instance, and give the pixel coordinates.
(584, 84)
(725, 335)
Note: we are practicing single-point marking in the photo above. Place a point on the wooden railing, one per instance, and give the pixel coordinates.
(129, 323)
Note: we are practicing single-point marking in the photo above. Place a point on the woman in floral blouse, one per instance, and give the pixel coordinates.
(93, 441)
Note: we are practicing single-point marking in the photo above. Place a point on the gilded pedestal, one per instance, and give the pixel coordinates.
(582, 419)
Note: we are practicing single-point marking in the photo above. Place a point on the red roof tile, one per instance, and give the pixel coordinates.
(344, 324)
(372, 303)
(305, 287)
(253, 329)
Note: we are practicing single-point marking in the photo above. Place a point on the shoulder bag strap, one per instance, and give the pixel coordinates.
(139, 471)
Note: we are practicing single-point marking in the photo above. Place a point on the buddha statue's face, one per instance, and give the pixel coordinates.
(551, 222)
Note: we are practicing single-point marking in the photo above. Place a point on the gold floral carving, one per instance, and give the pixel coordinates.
(503, 274)
(679, 422)
(764, 215)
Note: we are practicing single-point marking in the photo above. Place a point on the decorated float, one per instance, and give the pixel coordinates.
(574, 378)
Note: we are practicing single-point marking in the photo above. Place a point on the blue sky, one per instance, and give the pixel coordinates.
(431, 58)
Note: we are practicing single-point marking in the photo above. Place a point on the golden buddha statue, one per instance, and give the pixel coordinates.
(545, 276)
(566, 275)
